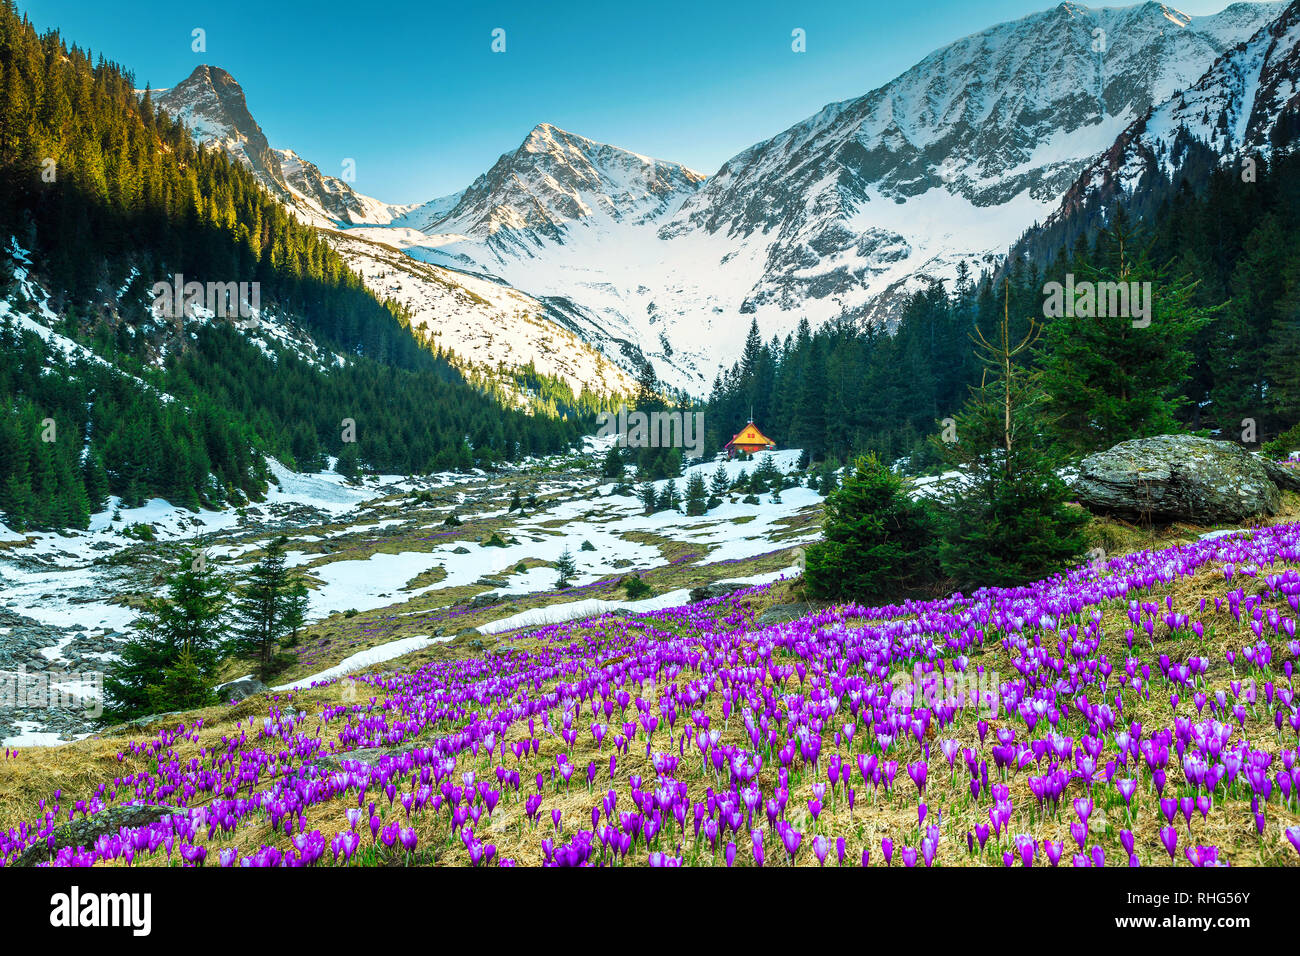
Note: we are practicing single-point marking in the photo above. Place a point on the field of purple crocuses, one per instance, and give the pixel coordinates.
(1136, 712)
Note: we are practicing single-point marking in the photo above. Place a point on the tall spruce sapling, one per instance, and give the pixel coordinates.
(187, 620)
(697, 494)
(1006, 522)
(565, 568)
(262, 610)
(718, 484)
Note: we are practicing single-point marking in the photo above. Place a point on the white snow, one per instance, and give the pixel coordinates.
(364, 659)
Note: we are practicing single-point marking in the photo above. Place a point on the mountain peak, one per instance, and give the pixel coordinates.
(556, 177)
(212, 104)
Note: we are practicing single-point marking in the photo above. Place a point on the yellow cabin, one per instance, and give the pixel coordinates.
(749, 440)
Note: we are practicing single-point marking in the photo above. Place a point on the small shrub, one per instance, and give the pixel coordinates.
(877, 541)
(635, 587)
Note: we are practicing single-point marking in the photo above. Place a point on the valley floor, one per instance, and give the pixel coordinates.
(1139, 710)
(387, 575)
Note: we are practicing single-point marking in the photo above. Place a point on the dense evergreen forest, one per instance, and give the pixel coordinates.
(101, 196)
(1223, 347)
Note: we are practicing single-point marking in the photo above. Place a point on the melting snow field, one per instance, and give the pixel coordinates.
(364, 659)
(61, 582)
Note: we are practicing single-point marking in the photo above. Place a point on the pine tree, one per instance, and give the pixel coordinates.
(566, 568)
(1108, 380)
(697, 494)
(649, 498)
(297, 603)
(719, 485)
(669, 497)
(184, 686)
(876, 543)
(613, 465)
(187, 621)
(349, 462)
(260, 612)
(1007, 521)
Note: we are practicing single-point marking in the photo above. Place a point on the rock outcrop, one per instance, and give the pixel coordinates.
(1179, 478)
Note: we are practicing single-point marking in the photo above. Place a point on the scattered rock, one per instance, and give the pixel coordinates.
(716, 590)
(239, 689)
(781, 613)
(83, 832)
(1177, 478)
(1288, 479)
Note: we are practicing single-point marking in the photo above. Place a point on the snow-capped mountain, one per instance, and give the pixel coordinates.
(556, 178)
(212, 104)
(987, 131)
(487, 324)
(842, 213)
(1245, 107)
(837, 217)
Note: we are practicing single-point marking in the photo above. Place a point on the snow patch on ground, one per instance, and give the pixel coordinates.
(366, 658)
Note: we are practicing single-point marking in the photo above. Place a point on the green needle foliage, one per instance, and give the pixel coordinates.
(1108, 380)
(1006, 519)
(178, 643)
(878, 543)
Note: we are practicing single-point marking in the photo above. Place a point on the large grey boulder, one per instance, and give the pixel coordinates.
(1285, 478)
(241, 689)
(1177, 478)
(782, 614)
(83, 831)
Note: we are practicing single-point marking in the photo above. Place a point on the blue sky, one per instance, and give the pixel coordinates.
(411, 90)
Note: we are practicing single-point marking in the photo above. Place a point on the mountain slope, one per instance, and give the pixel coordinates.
(842, 213)
(486, 324)
(1247, 106)
(212, 104)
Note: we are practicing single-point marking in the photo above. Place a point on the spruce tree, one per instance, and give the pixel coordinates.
(565, 568)
(187, 621)
(877, 543)
(613, 465)
(718, 485)
(260, 612)
(1006, 518)
(697, 494)
(649, 498)
(1108, 380)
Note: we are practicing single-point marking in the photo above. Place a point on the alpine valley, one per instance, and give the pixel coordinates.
(839, 217)
(339, 532)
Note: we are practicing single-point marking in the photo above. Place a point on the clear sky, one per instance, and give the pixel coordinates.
(411, 90)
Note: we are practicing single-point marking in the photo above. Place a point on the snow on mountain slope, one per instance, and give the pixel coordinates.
(212, 104)
(1246, 105)
(487, 324)
(555, 178)
(837, 217)
(844, 212)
